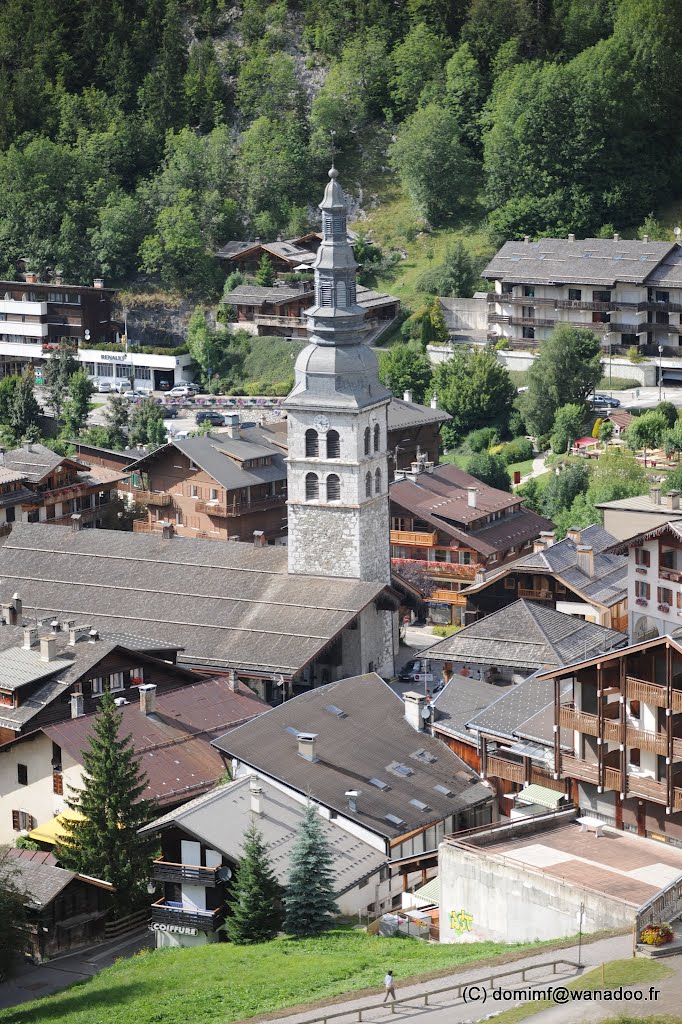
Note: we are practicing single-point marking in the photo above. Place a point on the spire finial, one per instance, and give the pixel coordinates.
(333, 173)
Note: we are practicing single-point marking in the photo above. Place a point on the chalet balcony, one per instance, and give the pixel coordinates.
(580, 721)
(651, 306)
(161, 498)
(86, 513)
(613, 779)
(166, 871)
(653, 742)
(677, 799)
(239, 508)
(670, 574)
(677, 701)
(167, 912)
(272, 320)
(520, 321)
(500, 768)
(611, 730)
(74, 490)
(650, 693)
(649, 789)
(532, 300)
(535, 595)
(414, 539)
(438, 596)
(452, 570)
(576, 768)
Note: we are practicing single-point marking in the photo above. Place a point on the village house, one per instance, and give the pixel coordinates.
(401, 791)
(447, 526)
(628, 517)
(202, 844)
(578, 575)
(286, 257)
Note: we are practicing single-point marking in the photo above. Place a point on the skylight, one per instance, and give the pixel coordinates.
(424, 756)
(443, 790)
(394, 819)
(399, 769)
(333, 710)
(378, 783)
(420, 805)
(290, 729)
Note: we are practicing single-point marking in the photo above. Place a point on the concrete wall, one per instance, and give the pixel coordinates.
(465, 314)
(486, 897)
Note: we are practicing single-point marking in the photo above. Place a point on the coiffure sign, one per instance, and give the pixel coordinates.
(177, 929)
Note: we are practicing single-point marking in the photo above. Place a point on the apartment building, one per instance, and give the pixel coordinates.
(628, 291)
(446, 526)
(627, 517)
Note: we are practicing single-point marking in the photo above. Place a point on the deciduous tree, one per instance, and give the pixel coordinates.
(476, 390)
(405, 367)
(567, 369)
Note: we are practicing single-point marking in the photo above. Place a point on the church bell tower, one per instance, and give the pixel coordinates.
(337, 424)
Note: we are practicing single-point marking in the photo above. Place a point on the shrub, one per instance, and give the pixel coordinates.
(445, 630)
(518, 450)
(634, 355)
(480, 440)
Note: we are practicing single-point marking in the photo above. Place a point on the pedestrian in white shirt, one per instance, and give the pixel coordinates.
(388, 985)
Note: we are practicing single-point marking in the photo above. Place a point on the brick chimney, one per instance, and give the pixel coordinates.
(147, 693)
(414, 705)
(585, 554)
(306, 745)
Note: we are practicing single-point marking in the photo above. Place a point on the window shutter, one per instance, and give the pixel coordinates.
(15, 821)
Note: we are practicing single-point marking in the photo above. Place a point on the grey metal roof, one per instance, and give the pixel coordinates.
(411, 414)
(229, 605)
(235, 248)
(18, 667)
(598, 261)
(526, 635)
(369, 299)
(220, 820)
(363, 744)
(461, 700)
(515, 707)
(223, 457)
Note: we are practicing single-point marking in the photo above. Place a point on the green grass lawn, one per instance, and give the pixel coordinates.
(616, 973)
(221, 983)
(271, 360)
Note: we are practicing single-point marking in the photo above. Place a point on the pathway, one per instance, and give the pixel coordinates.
(538, 468)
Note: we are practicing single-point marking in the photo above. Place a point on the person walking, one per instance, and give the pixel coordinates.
(389, 986)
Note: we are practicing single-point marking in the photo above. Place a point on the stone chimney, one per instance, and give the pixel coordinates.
(77, 710)
(585, 554)
(306, 745)
(166, 529)
(673, 500)
(256, 794)
(76, 632)
(147, 698)
(98, 282)
(30, 637)
(655, 494)
(434, 400)
(48, 647)
(414, 704)
(472, 497)
(407, 396)
(76, 522)
(571, 237)
(616, 237)
(574, 534)
(232, 424)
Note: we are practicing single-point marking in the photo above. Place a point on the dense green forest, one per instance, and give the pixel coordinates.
(136, 136)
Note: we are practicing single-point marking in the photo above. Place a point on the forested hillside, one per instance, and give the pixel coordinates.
(136, 136)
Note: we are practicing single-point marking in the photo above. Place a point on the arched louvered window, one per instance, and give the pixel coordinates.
(377, 437)
(368, 485)
(333, 445)
(312, 487)
(377, 482)
(367, 440)
(333, 487)
(312, 444)
(341, 294)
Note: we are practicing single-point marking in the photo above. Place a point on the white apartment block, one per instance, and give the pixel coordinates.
(627, 291)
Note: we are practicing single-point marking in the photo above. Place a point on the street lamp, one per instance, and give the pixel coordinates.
(660, 371)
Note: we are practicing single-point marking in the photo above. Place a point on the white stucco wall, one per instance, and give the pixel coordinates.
(37, 798)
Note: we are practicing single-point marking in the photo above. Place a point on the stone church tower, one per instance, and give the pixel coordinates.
(337, 424)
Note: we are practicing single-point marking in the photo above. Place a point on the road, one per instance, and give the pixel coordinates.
(645, 398)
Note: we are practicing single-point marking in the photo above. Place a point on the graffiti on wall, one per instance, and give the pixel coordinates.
(461, 921)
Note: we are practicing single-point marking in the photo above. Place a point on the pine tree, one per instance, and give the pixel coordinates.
(265, 275)
(105, 843)
(256, 898)
(25, 410)
(309, 901)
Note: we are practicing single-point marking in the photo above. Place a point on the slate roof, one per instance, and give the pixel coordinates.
(221, 817)
(8, 476)
(228, 605)
(257, 295)
(173, 743)
(222, 457)
(365, 742)
(643, 503)
(525, 635)
(461, 700)
(411, 414)
(235, 249)
(606, 587)
(33, 462)
(598, 261)
(369, 299)
(40, 882)
(441, 499)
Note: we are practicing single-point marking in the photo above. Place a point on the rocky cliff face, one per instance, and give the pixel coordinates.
(156, 318)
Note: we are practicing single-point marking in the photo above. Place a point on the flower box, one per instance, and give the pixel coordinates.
(641, 570)
(664, 608)
(641, 602)
(656, 934)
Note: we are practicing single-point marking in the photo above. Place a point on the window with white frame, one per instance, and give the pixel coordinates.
(105, 370)
(123, 371)
(97, 686)
(143, 372)
(116, 681)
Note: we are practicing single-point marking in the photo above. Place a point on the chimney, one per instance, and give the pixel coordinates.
(9, 613)
(407, 396)
(232, 424)
(48, 647)
(58, 277)
(256, 793)
(616, 237)
(166, 529)
(645, 239)
(571, 237)
(526, 239)
(352, 797)
(77, 705)
(673, 500)
(66, 625)
(98, 282)
(93, 636)
(147, 698)
(76, 522)
(76, 632)
(416, 467)
(30, 637)
(414, 704)
(538, 545)
(27, 445)
(31, 277)
(655, 494)
(16, 607)
(259, 538)
(548, 537)
(434, 400)
(574, 534)
(306, 745)
(233, 680)
(585, 554)
(472, 497)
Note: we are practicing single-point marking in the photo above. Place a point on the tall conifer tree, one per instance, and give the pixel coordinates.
(256, 898)
(309, 901)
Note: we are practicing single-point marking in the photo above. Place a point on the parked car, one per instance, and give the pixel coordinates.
(104, 387)
(137, 393)
(123, 385)
(210, 416)
(605, 402)
(169, 412)
(165, 385)
(411, 669)
(184, 391)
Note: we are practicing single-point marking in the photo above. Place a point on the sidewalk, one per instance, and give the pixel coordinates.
(457, 1011)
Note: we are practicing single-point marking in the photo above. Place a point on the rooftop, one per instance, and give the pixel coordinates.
(598, 261)
(220, 820)
(257, 295)
(39, 878)
(411, 414)
(405, 779)
(223, 458)
(173, 743)
(228, 605)
(526, 635)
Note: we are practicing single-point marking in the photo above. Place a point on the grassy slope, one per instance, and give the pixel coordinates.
(221, 983)
(271, 359)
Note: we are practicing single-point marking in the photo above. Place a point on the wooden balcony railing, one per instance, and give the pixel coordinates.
(272, 320)
(575, 768)
(650, 693)
(414, 538)
(448, 597)
(613, 779)
(670, 574)
(500, 768)
(453, 570)
(569, 718)
(540, 777)
(620, 622)
(677, 799)
(677, 747)
(653, 742)
(647, 788)
(677, 700)
(612, 730)
(239, 508)
(535, 595)
(165, 871)
(167, 912)
(152, 497)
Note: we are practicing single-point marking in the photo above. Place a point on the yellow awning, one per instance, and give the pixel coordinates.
(51, 831)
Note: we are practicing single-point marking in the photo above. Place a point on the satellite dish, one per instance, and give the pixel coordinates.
(426, 713)
(224, 874)
(278, 679)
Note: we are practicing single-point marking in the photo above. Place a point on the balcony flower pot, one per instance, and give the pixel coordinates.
(664, 608)
(641, 602)
(656, 934)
